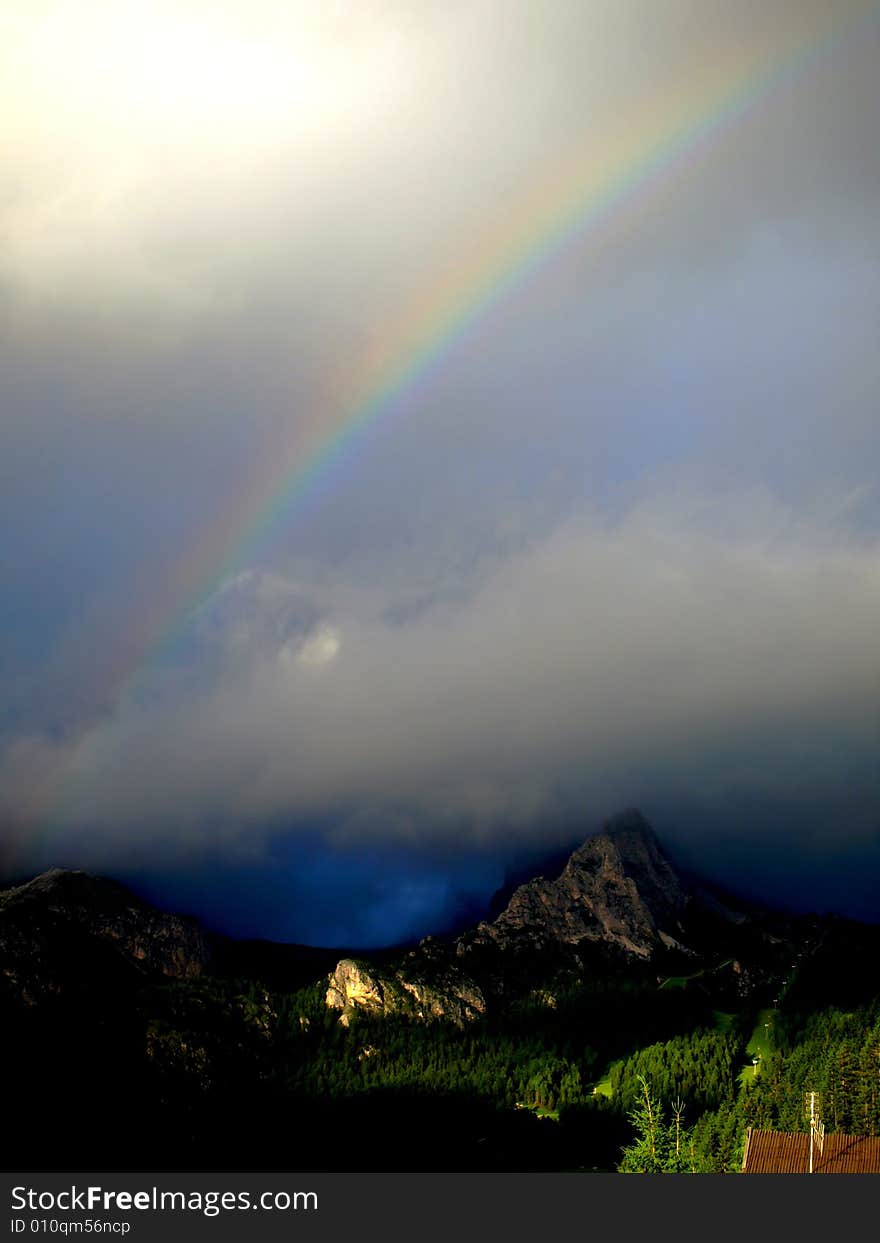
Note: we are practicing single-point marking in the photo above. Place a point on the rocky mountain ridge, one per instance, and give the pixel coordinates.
(68, 929)
(617, 895)
(215, 1045)
(64, 926)
(618, 892)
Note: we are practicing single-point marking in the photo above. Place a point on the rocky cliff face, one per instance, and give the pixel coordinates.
(618, 888)
(65, 926)
(444, 993)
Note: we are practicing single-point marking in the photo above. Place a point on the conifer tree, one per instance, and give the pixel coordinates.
(643, 1156)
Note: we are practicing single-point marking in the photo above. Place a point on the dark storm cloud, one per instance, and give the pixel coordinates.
(578, 664)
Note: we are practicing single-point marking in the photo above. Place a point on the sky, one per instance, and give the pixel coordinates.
(429, 429)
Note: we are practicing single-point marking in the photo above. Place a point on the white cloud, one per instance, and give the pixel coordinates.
(604, 663)
(321, 648)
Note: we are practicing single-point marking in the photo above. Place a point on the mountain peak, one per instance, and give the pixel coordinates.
(618, 887)
(56, 876)
(72, 887)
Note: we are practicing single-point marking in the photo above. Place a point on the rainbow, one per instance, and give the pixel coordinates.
(573, 198)
(583, 192)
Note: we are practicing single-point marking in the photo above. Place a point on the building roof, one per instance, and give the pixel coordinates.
(783, 1152)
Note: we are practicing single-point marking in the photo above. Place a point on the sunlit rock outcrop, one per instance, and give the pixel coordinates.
(413, 991)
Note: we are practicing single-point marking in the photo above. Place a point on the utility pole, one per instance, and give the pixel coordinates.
(817, 1128)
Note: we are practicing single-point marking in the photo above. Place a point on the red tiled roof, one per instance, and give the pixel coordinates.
(782, 1152)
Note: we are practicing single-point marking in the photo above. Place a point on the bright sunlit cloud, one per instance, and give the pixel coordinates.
(183, 67)
(320, 648)
(127, 124)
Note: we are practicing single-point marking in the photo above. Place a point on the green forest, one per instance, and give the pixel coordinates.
(577, 1071)
(611, 1070)
(705, 1075)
